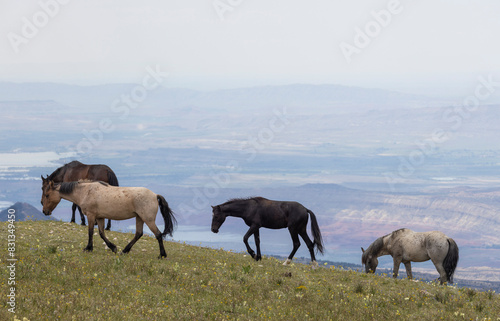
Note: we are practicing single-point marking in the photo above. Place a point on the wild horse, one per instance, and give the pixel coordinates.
(75, 171)
(100, 200)
(405, 245)
(260, 212)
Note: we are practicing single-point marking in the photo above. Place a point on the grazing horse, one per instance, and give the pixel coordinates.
(74, 171)
(407, 246)
(100, 200)
(259, 212)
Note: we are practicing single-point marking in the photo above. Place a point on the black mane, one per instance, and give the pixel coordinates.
(55, 175)
(58, 174)
(374, 249)
(238, 200)
(69, 187)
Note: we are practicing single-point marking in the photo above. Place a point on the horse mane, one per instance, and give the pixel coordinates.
(69, 187)
(396, 232)
(239, 205)
(238, 200)
(61, 170)
(374, 249)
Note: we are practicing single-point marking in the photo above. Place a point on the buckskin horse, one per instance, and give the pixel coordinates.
(100, 200)
(260, 212)
(406, 246)
(75, 171)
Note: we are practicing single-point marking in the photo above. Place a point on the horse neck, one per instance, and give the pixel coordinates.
(385, 248)
(58, 175)
(234, 210)
(381, 247)
(74, 196)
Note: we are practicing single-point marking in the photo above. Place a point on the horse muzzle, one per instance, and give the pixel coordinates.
(47, 213)
(215, 230)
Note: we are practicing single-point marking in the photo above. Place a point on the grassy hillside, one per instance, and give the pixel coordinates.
(56, 280)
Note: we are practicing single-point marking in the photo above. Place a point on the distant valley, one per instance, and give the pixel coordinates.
(365, 161)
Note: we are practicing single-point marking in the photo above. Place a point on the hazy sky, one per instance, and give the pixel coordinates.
(209, 44)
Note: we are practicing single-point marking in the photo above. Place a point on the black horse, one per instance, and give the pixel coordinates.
(260, 212)
(75, 171)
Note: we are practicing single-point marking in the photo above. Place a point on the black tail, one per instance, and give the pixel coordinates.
(168, 216)
(318, 240)
(112, 179)
(451, 260)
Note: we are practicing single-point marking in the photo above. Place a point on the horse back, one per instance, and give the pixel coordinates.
(120, 202)
(102, 173)
(75, 171)
(281, 214)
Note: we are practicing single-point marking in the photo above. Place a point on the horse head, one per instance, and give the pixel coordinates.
(218, 218)
(50, 197)
(369, 260)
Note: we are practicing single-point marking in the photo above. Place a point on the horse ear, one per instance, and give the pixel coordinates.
(51, 184)
(212, 206)
(43, 179)
(362, 249)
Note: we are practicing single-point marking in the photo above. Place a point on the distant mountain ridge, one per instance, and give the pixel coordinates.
(23, 212)
(320, 96)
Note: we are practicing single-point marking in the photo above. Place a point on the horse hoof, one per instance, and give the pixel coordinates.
(161, 257)
(87, 249)
(314, 265)
(287, 262)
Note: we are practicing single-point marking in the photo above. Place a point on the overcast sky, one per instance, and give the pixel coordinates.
(208, 44)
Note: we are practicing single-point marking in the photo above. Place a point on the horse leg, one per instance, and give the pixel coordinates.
(310, 246)
(443, 277)
(152, 226)
(108, 227)
(139, 224)
(250, 231)
(296, 245)
(397, 263)
(73, 209)
(256, 236)
(408, 270)
(82, 217)
(100, 224)
(90, 245)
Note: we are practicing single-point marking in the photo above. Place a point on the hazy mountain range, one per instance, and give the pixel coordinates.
(365, 161)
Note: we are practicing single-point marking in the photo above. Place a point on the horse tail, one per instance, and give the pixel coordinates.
(318, 240)
(168, 216)
(451, 259)
(112, 179)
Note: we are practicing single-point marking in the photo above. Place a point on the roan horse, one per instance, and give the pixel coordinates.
(259, 212)
(100, 200)
(75, 171)
(406, 246)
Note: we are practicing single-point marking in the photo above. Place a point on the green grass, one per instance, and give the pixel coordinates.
(56, 280)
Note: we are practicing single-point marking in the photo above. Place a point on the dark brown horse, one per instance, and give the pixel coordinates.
(260, 212)
(74, 171)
